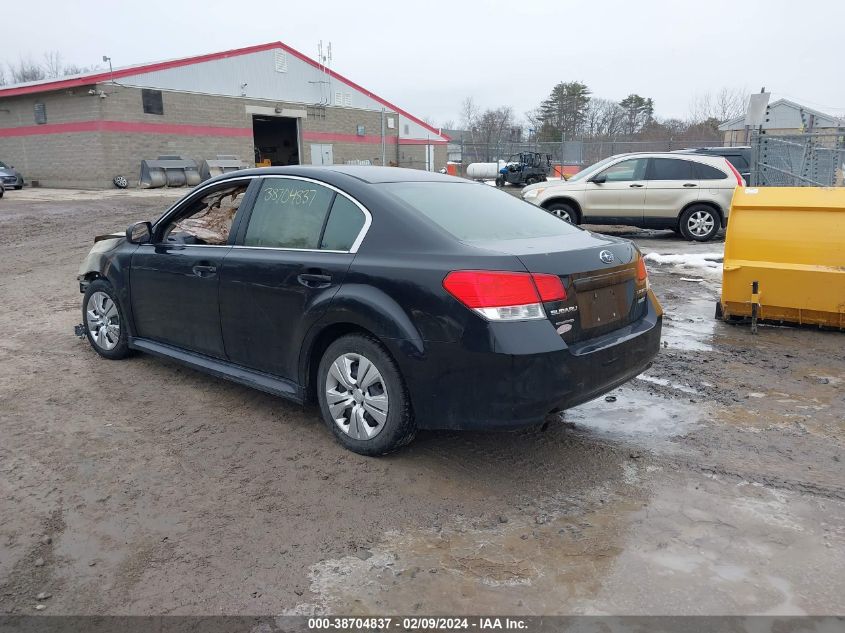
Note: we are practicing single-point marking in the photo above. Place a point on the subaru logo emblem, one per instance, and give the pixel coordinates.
(606, 257)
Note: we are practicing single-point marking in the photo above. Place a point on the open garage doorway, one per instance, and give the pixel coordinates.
(276, 140)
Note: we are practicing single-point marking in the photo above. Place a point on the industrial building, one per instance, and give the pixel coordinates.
(782, 117)
(267, 104)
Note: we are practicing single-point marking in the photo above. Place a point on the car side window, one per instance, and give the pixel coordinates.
(207, 220)
(288, 213)
(345, 223)
(633, 169)
(671, 169)
(706, 172)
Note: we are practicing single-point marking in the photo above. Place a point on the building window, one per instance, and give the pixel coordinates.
(407, 130)
(152, 102)
(40, 113)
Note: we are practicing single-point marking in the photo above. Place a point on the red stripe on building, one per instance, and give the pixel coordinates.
(332, 137)
(126, 127)
(419, 141)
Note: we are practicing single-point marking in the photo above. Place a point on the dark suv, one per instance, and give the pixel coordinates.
(739, 157)
(395, 298)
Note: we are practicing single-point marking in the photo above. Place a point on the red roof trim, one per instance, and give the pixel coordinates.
(65, 84)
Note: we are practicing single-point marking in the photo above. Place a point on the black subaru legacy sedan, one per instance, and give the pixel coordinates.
(397, 299)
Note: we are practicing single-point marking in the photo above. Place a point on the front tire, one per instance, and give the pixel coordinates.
(700, 223)
(104, 321)
(363, 398)
(564, 211)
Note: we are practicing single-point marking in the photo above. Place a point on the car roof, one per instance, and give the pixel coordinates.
(706, 158)
(365, 173)
(721, 151)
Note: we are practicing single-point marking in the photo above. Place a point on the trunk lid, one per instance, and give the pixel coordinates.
(599, 274)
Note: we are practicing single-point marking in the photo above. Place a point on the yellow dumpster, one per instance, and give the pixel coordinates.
(785, 256)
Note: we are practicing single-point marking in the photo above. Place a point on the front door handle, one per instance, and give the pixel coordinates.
(314, 280)
(205, 270)
(690, 184)
(635, 185)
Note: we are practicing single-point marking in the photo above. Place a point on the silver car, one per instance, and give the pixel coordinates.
(10, 178)
(690, 194)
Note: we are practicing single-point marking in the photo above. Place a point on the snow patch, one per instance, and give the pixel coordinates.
(710, 263)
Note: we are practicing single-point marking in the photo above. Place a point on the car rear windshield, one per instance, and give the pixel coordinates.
(476, 213)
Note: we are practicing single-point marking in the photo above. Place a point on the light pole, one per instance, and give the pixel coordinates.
(106, 58)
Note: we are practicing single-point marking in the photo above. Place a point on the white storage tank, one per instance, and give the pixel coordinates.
(484, 171)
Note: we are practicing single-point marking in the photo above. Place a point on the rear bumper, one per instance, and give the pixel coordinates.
(455, 388)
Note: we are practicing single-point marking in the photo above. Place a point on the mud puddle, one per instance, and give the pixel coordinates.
(538, 564)
(636, 416)
(654, 544)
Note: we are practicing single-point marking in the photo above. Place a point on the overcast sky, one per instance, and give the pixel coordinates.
(428, 56)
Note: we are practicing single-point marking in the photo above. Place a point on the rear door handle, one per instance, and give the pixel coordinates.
(314, 280)
(689, 184)
(205, 270)
(635, 185)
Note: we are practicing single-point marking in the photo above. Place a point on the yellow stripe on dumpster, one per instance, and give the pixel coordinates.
(791, 242)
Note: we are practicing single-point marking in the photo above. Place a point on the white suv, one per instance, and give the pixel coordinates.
(690, 194)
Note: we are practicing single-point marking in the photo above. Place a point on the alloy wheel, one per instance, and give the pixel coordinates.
(103, 321)
(563, 214)
(356, 395)
(701, 223)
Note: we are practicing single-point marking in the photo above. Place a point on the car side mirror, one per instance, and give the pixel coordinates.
(599, 179)
(139, 233)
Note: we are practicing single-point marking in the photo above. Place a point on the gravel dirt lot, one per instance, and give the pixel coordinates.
(713, 484)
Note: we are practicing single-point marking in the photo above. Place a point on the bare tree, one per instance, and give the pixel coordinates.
(52, 64)
(26, 70)
(448, 124)
(2, 77)
(721, 106)
(495, 128)
(603, 119)
(469, 114)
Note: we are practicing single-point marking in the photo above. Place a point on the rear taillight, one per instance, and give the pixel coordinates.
(642, 272)
(550, 287)
(502, 295)
(739, 179)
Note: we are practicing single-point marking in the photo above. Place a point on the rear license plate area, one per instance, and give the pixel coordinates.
(602, 306)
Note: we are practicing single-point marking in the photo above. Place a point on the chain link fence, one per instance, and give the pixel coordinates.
(571, 154)
(798, 160)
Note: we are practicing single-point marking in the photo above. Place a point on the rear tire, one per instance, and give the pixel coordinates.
(357, 382)
(564, 211)
(104, 321)
(18, 187)
(531, 180)
(700, 223)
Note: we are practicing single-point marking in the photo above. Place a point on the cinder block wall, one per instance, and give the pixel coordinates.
(61, 160)
(413, 156)
(91, 158)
